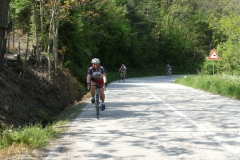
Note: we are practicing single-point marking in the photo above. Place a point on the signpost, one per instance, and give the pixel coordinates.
(213, 56)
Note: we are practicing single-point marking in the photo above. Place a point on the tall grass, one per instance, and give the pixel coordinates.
(221, 84)
(33, 136)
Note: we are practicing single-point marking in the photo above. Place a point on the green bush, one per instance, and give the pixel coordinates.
(229, 62)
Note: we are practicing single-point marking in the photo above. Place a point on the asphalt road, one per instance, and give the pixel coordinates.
(154, 119)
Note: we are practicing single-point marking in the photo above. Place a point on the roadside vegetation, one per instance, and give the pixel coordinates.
(225, 85)
(17, 141)
(33, 135)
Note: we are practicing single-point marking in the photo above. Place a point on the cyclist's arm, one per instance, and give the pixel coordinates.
(89, 78)
(89, 75)
(104, 78)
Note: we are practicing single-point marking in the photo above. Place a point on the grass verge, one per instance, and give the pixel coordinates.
(22, 139)
(220, 84)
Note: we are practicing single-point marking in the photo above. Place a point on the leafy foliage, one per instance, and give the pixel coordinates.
(147, 34)
(20, 13)
(229, 62)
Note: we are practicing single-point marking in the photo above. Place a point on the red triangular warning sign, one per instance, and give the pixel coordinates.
(213, 55)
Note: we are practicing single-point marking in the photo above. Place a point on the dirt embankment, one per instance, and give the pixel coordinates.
(28, 96)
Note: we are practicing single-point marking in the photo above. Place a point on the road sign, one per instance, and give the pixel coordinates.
(214, 55)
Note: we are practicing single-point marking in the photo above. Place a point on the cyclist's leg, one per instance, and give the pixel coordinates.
(124, 74)
(101, 90)
(93, 90)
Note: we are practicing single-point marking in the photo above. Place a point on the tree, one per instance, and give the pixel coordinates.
(4, 29)
(57, 12)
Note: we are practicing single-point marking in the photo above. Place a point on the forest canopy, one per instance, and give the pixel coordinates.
(142, 34)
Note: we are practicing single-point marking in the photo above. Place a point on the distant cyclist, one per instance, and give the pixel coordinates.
(123, 69)
(97, 75)
(169, 70)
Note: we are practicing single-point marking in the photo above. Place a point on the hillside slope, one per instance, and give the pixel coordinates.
(31, 98)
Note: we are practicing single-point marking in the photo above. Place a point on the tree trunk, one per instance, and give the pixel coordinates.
(41, 13)
(55, 41)
(50, 33)
(55, 24)
(28, 35)
(36, 32)
(4, 8)
(49, 50)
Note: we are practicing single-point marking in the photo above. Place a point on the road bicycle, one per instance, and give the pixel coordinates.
(169, 72)
(121, 77)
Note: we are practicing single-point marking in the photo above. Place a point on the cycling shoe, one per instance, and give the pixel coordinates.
(102, 107)
(93, 100)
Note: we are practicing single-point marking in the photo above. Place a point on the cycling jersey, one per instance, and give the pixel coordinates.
(168, 67)
(123, 68)
(97, 75)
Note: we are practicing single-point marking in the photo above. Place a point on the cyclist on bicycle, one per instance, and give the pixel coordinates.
(97, 75)
(123, 69)
(168, 68)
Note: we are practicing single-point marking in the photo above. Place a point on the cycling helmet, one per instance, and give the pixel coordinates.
(95, 60)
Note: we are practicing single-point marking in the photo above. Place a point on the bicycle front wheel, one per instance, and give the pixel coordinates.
(97, 103)
(97, 109)
(120, 77)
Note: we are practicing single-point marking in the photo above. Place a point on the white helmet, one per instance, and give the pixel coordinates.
(95, 60)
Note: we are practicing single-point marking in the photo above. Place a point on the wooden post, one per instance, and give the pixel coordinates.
(18, 55)
(213, 67)
(19, 48)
